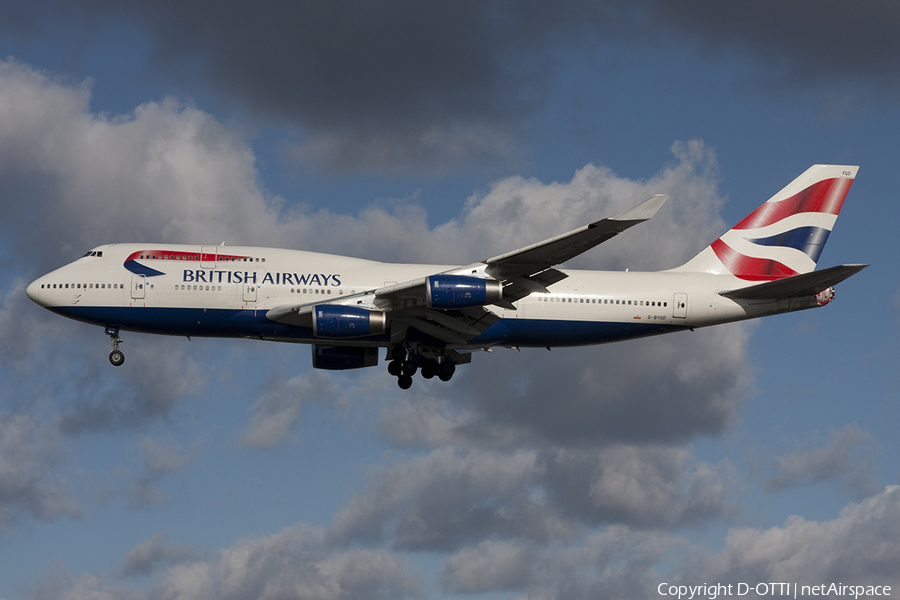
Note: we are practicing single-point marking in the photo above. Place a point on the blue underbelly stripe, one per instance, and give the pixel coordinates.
(249, 323)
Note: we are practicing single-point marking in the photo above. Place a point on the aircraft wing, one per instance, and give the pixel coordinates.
(521, 272)
(806, 284)
(406, 312)
(538, 257)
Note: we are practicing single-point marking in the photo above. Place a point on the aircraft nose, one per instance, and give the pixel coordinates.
(33, 291)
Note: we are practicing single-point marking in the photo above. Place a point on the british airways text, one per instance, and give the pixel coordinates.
(203, 276)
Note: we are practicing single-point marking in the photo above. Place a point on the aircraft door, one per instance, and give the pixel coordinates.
(138, 286)
(250, 292)
(208, 257)
(679, 308)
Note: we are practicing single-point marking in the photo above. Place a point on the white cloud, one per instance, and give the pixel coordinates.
(861, 546)
(292, 563)
(617, 562)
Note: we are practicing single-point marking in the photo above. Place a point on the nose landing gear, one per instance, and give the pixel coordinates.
(116, 357)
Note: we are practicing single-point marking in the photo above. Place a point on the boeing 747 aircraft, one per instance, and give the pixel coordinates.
(433, 317)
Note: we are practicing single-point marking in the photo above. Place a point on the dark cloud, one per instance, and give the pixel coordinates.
(160, 458)
(799, 43)
(448, 499)
(141, 395)
(152, 554)
(401, 85)
(668, 389)
(374, 84)
(846, 459)
(451, 499)
(30, 480)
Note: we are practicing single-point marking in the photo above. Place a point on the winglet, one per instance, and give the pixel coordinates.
(643, 211)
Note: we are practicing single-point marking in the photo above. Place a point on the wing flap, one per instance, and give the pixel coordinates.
(806, 284)
(516, 288)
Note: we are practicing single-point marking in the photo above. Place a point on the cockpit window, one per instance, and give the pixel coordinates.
(97, 253)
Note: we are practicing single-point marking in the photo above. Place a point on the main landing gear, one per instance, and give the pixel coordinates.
(405, 363)
(116, 357)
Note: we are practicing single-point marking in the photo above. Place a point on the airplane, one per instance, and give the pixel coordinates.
(431, 318)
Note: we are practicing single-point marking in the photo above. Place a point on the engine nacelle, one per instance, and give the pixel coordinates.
(336, 321)
(459, 291)
(340, 358)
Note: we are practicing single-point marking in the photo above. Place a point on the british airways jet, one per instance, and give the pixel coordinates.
(430, 318)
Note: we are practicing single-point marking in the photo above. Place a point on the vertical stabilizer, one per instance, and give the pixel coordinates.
(784, 236)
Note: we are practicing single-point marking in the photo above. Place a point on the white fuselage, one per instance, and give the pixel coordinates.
(226, 292)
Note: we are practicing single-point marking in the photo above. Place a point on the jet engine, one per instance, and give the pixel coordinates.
(459, 291)
(336, 321)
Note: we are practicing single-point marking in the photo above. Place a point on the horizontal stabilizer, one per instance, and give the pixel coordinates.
(806, 284)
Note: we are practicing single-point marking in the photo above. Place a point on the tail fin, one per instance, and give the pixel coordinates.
(784, 236)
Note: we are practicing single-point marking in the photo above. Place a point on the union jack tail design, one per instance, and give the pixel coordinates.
(784, 236)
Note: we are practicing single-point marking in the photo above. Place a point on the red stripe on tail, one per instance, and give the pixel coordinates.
(748, 267)
(824, 197)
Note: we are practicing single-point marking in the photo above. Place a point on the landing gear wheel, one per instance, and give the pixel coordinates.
(398, 353)
(430, 368)
(395, 368)
(117, 357)
(404, 381)
(446, 371)
(409, 368)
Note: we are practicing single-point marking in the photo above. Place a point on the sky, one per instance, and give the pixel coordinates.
(447, 133)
